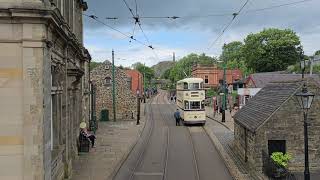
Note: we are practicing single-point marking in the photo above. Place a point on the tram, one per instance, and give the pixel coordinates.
(190, 100)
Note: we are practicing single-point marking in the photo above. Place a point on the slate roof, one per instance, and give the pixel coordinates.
(264, 104)
(262, 79)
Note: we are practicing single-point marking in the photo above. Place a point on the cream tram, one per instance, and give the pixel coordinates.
(190, 100)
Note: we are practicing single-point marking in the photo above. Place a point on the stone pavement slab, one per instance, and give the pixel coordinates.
(229, 122)
(114, 142)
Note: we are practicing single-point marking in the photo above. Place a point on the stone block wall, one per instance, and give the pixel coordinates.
(126, 100)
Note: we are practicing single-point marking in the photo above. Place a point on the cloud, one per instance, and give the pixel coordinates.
(201, 31)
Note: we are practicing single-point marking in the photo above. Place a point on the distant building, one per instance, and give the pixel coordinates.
(126, 100)
(273, 121)
(213, 76)
(136, 81)
(255, 82)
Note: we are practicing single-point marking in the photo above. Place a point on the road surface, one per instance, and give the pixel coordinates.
(169, 152)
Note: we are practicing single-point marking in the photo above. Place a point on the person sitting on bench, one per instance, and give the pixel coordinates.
(84, 132)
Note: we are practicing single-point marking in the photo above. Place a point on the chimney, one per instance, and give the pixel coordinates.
(174, 57)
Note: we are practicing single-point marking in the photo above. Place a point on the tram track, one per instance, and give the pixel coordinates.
(146, 143)
(167, 152)
(196, 155)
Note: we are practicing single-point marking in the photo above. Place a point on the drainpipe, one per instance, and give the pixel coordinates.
(246, 145)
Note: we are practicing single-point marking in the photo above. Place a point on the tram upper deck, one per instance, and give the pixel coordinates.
(190, 84)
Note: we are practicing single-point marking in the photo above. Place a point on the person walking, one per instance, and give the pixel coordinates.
(177, 117)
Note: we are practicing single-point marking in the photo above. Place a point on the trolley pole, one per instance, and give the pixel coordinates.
(113, 89)
(144, 83)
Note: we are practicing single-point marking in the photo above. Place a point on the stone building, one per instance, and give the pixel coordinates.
(212, 75)
(43, 87)
(273, 121)
(126, 100)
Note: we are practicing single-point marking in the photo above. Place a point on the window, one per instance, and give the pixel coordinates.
(108, 81)
(195, 105)
(185, 85)
(194, 86)
(206, 79)
(186, 105)
(276, 146)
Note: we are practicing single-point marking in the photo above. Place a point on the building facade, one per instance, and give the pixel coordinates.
(126, 100)
(272, 121)
(136, 81)
(212, 76)
(43, 87)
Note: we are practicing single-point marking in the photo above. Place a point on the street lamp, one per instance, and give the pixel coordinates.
(138, 107)
(305, 99)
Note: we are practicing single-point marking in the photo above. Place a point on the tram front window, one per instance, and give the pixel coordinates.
(195, 105)
(194, 86)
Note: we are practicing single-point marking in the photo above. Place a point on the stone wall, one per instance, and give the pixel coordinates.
(126, 101)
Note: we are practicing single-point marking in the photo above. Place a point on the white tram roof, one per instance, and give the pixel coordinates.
(191, 80)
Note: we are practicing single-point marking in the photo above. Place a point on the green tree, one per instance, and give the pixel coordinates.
(183, 67)
(232, 53)
(94, 64)
(317, 53)
(271, 50)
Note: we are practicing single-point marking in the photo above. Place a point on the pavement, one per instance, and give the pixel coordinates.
(229, 123)
(115, 140)
(222, 135)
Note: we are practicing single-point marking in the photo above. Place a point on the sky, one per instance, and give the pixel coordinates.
(200, 24)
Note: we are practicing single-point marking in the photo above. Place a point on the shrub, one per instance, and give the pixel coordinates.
(281, 159)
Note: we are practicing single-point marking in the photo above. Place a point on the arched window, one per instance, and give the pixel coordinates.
(108, 81)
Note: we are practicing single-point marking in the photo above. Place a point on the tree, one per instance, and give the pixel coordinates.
(317, 53)
(232, 54)
(271, 50)
(232, 51)
(94, 64)
(183, 67)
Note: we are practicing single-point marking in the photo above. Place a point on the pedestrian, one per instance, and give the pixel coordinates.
(177, 117)
(84, 132)
(171, 98)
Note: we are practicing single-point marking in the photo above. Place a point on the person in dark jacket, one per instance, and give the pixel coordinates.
(177, 117)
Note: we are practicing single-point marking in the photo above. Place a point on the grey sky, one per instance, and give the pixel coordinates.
(303, 18)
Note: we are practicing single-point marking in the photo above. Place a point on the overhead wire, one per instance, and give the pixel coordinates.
(228, 25)
(276, 6)
(101, 22)
(215, 15)
(137, 21)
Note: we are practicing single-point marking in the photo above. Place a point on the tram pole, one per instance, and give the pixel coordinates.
(113, 89)
(224, 94)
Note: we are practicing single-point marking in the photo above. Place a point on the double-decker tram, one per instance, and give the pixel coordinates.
(190, 100)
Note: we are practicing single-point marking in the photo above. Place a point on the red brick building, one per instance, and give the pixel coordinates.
(136, 81)
(212, 75)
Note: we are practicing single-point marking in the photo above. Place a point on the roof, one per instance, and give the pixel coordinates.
(191, 80)
(262, 79)
(264, 104)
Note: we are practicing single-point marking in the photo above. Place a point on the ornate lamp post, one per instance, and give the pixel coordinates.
(305, 99)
